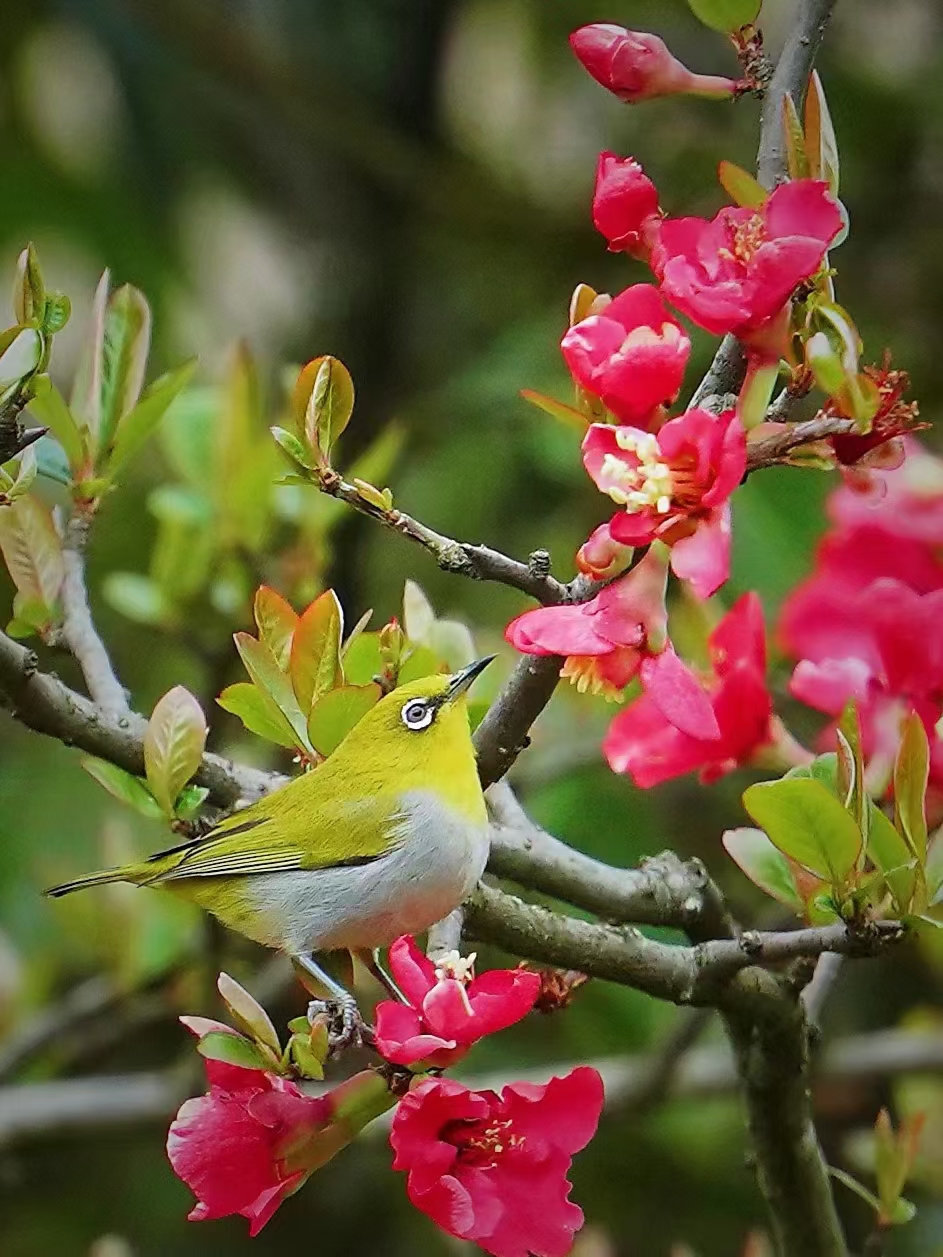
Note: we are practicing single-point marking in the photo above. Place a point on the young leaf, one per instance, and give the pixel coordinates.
(726, 16)
(797, 159)
(851, 761)
(21, 350)
(303, 1058)
(248, 1012)
(581, 303)
(316, 650)
(327, 391)
(141, 422)
(888, 851)
(292, 447)
(764, 865)
(173, 745)
(233, 1049)
(137, 597)
(29, 291)
(57, 312)
(189, 802)
(362, 659)
(420, 662)
(85, 402)
(418, 614)
(48, 405)
(820, 140)
(27, 469)
(259, 713)
(569, 415)
(32, 549)
(808, 824)
(911, 772)
(894, 1152)
(335, 713)
(126, 341)
(741, 186)
(268, 677)
(276, 620)
(122, 785)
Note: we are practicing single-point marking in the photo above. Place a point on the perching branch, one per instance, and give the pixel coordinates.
(772, 449)
(78, 628)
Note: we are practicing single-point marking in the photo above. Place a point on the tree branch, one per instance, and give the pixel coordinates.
(78, 627)
(772, 449)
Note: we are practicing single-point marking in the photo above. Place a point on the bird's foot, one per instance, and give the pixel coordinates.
(345, 1025)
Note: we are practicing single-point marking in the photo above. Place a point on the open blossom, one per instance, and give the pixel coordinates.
(906, 502)
(636, 65)
(632, 355)
(449, 1008)
(735, 272)
(621, 633)
(640, 742)
(675, 487)
(492, 1168)
(882, 446)
(625, 205)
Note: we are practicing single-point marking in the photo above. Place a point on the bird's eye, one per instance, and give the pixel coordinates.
(418, 714)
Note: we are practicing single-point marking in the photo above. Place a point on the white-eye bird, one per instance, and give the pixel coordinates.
(384, 838)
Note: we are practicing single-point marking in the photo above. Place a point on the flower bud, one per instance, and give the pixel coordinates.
(625, 205)
(602, 556)
(635, 65)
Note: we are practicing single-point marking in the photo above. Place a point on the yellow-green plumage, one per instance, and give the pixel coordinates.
(384, 838)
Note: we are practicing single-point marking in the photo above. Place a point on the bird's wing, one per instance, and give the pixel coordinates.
(284, 832)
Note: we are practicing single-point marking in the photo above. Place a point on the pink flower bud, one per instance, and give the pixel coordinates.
(635, 65)
(625, 205)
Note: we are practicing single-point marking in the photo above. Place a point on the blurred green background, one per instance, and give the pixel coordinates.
(404, 184)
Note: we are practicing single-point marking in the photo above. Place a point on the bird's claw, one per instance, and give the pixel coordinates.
(345, 1026)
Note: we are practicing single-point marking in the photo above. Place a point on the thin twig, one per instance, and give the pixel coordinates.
(78, 627)
(772, 449)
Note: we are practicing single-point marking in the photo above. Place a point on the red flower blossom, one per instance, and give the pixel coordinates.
(881, 447)
(621, 632)
(735, 272)
(906, 502)
(449, 1008)
(244, 1151)
(492, 1169)
(625, 205)
(632, 355)
(674, 487)
(602, 556)
(638, 66)
(640, 743)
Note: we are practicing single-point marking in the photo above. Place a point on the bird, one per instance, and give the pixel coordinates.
(384, 838)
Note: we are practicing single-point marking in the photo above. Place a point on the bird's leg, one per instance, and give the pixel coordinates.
(370, 959)
(346, 1023)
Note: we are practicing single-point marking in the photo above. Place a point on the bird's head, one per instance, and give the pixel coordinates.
(422, 722)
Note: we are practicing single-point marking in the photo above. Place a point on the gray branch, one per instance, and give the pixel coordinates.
(78, 627)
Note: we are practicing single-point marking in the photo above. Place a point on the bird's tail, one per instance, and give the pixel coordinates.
(129, 873)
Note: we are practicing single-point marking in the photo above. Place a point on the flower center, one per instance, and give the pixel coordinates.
(453, 965)
(745, 238)
(482, 1144)
(647, 484)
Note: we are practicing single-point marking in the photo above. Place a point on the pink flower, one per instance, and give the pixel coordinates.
(674, 487)
(906, 502)
(635, 65)
(621, 632)
(243, 1151)
(449, 1008)
(492, 1169)
(735, 272)
(602, 556)
(625, 205)
(640, 743)
(632, 355)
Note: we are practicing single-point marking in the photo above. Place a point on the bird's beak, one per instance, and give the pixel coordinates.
(461, 681)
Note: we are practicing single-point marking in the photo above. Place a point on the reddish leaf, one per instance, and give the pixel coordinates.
(315, 650)
(173, 745)
(277, 621)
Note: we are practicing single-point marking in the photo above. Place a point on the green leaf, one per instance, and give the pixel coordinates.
(797, 159)
(322, 403)
(141, 422)
(934, 869)
(248, 1013)
(276, 620)
(420, 662)
(268, 677)
(189, 802)
(292, 447)
(137, 597)
(48, 406)
(569, 415)
(316, 650)
(726, 16)
(233, 1049)
(820, 140)
(30, 615)
(336, 712)
(29, 291)
(126, 341)
(122, 785)
(26, 470)
(303, 1058)
(808, 824)
(362, 659)
(57, 312)
(259, 713)
(32, 550)
(741, 186)
(911, 772)
(85, 402)
(173, 745)
(764, 865)
(888, 851)
(851, 759)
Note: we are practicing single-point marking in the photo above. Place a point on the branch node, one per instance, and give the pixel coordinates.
(538, 564)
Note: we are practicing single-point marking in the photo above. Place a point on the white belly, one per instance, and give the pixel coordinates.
(436, 863)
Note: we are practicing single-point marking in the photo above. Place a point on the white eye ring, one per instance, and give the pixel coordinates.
(418, 714)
